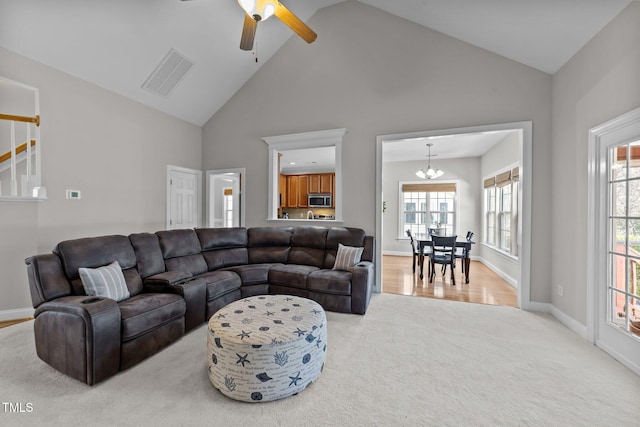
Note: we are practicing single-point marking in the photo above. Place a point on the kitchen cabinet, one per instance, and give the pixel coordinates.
(321, 183)
(282, 190)
(326, 183)
(303, 191)
(314, 183)
(294, 189)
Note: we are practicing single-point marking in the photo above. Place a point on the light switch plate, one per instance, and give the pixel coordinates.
(73, 194)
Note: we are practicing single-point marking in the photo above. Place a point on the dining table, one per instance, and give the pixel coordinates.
(466, 250)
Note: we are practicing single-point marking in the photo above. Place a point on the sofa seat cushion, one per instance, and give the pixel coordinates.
(220, 283)
(291, 275)
(253, 274)
(147, 311)
(333, 282)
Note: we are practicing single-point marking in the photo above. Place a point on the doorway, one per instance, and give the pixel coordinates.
(613, 289)
(225, 199)
(521, 275)
(184, 200)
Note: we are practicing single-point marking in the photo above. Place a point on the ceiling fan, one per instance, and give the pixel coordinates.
(260, 10)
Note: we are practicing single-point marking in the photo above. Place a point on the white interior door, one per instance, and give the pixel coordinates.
(183, 197)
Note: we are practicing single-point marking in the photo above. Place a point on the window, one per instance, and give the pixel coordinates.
(228, 207)
(505, 218)
(501, 211)
(490, 228)
(427, 209)
(624, 242)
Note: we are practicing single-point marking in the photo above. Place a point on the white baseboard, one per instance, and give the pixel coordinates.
(626, 362)
(396, 253)
(562, 317)
(22, 313)
(510, 280)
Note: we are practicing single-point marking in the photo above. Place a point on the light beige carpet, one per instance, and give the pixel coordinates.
(408, 361)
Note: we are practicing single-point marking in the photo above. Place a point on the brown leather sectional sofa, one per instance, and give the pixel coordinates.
(176, 280)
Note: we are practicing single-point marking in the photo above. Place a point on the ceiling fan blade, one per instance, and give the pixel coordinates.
(248, 32)
(293, 22)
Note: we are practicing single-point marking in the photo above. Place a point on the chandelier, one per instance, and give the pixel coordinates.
(429, 172)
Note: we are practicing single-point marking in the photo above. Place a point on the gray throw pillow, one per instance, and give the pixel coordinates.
(347, 257)
(107, 281)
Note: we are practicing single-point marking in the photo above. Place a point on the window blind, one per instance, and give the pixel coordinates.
(490, 182)
(503, 179)
(429, 188)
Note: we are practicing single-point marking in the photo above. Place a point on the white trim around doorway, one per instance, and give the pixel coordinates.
(525, 128)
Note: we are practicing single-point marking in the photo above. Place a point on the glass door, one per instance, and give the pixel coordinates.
(613, 280)
(623, 287)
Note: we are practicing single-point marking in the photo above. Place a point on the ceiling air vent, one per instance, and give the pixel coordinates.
(168, 74)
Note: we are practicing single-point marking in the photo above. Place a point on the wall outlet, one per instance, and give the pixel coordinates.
(560, 290)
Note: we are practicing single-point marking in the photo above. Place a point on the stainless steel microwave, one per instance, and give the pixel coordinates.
(320, 200)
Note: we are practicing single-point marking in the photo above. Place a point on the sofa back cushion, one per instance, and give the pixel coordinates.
(308, 246)
(223, 247)
(354, 237)
(94, 252)
(47, 280)
(269, 244)
(148, 254)
(181, 251)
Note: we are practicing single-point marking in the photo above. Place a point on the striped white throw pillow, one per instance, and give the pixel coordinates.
(107, 281)
(347, 257)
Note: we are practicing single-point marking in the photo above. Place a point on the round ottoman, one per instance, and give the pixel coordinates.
(266, 347)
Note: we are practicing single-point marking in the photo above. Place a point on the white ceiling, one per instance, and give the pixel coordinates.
(116, 44)
(307, 160)
(444, 147)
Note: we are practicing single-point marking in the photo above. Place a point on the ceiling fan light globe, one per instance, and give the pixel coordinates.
(421, 174)
(269, 9)
(249, 6)
(259, 9)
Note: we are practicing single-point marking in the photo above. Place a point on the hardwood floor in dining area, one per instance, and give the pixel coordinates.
(485, 286)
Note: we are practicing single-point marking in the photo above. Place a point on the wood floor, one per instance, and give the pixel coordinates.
(6, 323)
(485, 287)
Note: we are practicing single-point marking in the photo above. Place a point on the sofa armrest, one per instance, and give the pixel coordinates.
(192, 289)
(79, 336)
(362, 277)
(167, 278)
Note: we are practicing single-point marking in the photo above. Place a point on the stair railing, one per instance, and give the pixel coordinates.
(31, 182)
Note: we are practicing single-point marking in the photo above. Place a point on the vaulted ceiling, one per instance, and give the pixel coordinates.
(117, 44)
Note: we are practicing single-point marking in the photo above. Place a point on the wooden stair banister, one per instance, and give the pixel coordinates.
(19, 149)
(27, 119)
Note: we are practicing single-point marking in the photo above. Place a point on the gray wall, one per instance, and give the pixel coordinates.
(112, 149)
(466, 173)
(599, 83)
(376, 74)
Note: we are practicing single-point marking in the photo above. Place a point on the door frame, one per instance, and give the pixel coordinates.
(616, 131)
(243, 186)
(170, 169)
(526, 174)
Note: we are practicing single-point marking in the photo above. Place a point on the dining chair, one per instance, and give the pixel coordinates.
(415, 250)
(461, 252)
(443, 253)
